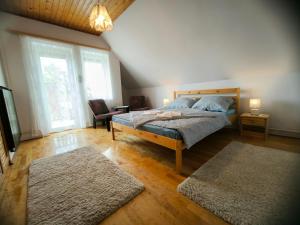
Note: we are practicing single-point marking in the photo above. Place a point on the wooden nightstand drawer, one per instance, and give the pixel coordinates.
(254, 125)
(253, 121)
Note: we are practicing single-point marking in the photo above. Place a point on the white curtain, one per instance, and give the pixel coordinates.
(96, 77)
(96, 74)
(38, 126)
(54, 89)
(61, 78)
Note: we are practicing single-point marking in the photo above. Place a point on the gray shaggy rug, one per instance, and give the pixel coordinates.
(247, 184)
(80, 187)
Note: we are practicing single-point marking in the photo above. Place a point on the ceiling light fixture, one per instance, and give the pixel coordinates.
(100, 19)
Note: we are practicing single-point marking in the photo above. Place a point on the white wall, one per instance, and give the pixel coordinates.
(115, 80)
(170, 42)
(280, 98)
(2, 76)
(10, 47)
(173, 44)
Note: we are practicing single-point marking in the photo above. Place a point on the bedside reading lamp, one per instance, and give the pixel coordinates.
(255, 105)
(166, 101)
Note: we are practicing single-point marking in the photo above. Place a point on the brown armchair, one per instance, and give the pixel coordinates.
(101, 112)
(137, 103)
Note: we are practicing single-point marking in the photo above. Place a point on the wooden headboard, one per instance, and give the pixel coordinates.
(232, 92)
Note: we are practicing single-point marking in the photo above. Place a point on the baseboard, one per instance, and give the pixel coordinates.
(29, 136)
(285, 133)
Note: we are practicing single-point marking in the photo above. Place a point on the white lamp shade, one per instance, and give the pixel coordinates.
(166, 101)
(255, 103)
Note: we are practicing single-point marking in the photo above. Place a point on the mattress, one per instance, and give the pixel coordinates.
(171, 133)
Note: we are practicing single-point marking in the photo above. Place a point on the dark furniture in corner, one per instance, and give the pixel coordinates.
(10, 132)
(9, 123)
(123, 108)
(101, 112)
(138, 103)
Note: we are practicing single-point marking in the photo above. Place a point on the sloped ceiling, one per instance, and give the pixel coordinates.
(162, 42)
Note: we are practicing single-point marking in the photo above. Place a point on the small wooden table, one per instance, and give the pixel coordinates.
(254, 125)
(124, 108)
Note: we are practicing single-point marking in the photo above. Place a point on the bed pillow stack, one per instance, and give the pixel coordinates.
(182, 102)
(214, 103)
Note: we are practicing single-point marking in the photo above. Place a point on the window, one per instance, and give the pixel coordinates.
(96, 74)
(59, 98)
(59, 102)
(59, 89)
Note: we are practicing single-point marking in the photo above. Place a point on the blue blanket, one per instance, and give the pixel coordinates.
(192, 124)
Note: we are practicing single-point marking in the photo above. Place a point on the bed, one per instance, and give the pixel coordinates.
(173, 137)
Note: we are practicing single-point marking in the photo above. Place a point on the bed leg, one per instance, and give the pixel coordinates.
(178, 160)
(112, 131)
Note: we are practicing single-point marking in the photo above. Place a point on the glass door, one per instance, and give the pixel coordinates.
(62, 78)
(60, 90)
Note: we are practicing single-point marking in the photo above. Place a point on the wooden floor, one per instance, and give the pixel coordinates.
(150, 163)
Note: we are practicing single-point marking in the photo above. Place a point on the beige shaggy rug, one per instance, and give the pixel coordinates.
(247, 184)
(80, 187)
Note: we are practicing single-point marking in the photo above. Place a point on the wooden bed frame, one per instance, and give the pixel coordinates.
(174, 144)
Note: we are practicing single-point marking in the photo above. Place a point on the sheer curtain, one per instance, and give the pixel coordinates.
(54, 90)
(38, 126)
(61, 78)
(96, 74)
(96, 77)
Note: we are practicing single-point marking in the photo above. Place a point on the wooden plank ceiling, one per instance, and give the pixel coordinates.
(72, 14)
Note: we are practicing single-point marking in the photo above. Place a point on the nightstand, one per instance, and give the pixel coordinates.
(254, 125)
(124, 108)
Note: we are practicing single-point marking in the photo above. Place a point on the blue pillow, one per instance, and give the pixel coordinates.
(182, 102)
(213, 103)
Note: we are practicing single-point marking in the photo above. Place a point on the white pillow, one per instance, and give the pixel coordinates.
(182, 102)
(213, 103)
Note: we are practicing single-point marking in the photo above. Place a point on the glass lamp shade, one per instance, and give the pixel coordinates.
(254, 105)
(166, 101)
(99, 19)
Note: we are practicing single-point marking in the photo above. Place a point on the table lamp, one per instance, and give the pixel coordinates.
(255, 105)
(166, 101)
